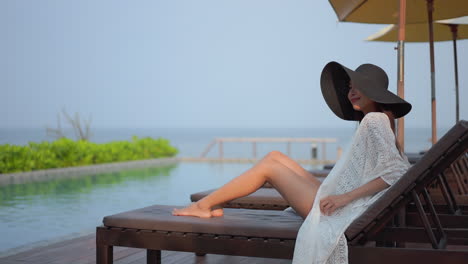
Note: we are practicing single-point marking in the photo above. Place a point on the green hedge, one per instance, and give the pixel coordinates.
(67, 153)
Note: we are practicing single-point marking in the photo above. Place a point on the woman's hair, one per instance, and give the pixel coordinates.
(384, 109)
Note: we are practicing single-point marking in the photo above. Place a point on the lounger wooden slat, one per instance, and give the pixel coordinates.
(382, 255)
(266, 233)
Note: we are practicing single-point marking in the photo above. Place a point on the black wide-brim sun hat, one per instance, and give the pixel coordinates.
(369, 79)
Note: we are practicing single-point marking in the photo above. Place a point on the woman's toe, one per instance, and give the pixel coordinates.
(217, 212)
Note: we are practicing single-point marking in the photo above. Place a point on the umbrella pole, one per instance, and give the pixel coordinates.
(401, 217)
(430, 8)
(454, 29)
(401, 71)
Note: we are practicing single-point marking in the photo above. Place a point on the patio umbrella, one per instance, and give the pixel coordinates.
(402, 12)
(444, 30)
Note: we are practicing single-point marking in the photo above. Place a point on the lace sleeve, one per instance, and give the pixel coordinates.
(383, 158)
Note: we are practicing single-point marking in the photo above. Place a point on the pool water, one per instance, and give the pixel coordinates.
(35, 213)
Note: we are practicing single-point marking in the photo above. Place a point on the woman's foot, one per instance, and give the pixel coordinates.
(195, 209)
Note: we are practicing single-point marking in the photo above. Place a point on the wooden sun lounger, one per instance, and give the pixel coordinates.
(267, 233)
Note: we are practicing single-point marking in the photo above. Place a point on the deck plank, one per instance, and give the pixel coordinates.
(39, 252)
(82, 250)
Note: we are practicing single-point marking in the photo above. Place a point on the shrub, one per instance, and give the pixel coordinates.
(65, 152)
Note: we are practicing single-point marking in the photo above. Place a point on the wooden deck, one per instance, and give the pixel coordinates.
(82, 250)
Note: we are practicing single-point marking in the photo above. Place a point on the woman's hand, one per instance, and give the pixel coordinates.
(330, 203)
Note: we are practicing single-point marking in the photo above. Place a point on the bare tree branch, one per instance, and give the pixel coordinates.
(76, 125)
(56, 132)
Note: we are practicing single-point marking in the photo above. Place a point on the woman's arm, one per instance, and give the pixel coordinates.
(330, 203)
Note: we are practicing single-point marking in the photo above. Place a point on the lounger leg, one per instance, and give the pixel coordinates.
(153, 256)
(104, 254)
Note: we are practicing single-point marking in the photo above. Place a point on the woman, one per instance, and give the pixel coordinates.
(370, 165)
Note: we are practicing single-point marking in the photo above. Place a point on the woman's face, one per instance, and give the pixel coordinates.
(359, 101)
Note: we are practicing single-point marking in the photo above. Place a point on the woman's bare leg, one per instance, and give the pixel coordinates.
(295, 184)
(294, 166)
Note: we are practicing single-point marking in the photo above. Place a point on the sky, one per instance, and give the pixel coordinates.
(198, 64)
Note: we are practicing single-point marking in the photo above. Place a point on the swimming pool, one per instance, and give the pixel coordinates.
(38, 213)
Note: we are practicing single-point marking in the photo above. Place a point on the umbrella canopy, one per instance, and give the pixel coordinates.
(386, 11)
(418, 32)
(402, 12)
(444, 30)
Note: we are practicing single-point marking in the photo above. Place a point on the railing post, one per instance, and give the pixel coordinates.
(254, 149)
(220, 145)
(313, 151)
(324, 151)
(339, 152)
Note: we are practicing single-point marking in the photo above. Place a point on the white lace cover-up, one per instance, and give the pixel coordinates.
(371, 154)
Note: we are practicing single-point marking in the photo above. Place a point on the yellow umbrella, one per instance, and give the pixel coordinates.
(400, 12)
(386, 11)
(445, 30)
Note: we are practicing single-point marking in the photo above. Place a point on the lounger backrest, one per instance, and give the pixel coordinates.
(439, 157)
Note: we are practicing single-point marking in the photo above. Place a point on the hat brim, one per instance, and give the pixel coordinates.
(334, 82)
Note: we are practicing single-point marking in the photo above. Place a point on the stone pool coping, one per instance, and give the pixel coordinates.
(71, 172)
